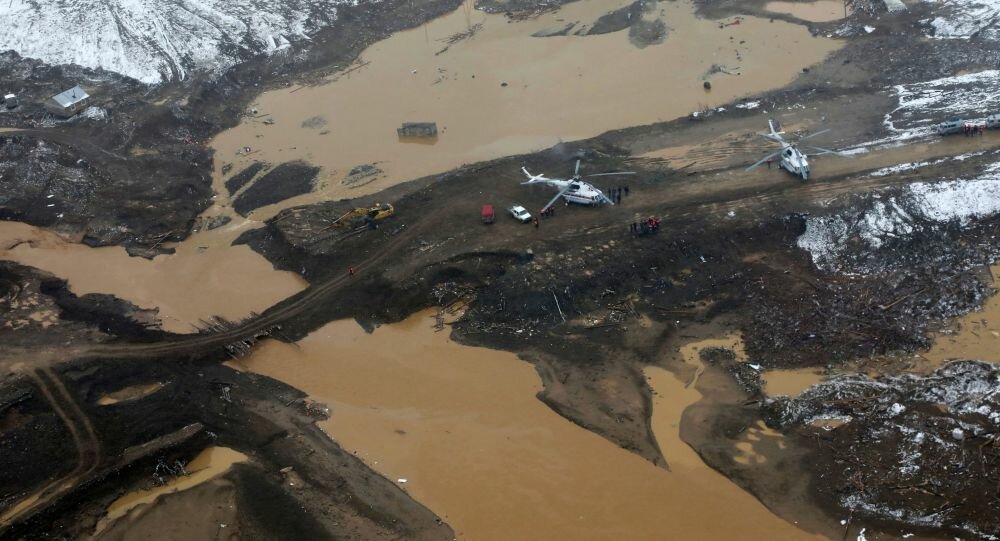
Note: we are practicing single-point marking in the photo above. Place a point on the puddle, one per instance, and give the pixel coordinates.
(462, 426)
(691, 352)
(128, 393)
(191, 285)
(557, 88)
(831, 423)
(790, 382)
(973, 336)
(818, 12)
(210, 463)
(209, 511)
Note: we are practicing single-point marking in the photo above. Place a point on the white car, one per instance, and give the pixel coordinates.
(520, 214)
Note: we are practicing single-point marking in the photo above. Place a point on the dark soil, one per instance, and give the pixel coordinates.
(77, 187)
(262, 418)
(284, 181)
(617, 20)
(241, 179)
(932, 442)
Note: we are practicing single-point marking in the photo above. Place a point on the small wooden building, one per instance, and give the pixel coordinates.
(69, 103)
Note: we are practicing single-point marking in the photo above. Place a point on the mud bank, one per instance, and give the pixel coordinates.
(294, 482)
(460, 429)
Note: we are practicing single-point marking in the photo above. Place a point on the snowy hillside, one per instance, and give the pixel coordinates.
(965, 18)
(155, 39)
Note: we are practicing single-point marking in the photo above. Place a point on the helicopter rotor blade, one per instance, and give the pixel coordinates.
(811, 135)
(556, 198)
(822, 150)
(576, 172)
(764, 159)
(610, 174)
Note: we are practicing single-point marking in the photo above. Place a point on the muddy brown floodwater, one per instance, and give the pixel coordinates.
(558, 87)
(206, 277)
(210, 463)
(817, 12)
(461, 430)
(503, 91)
(790, 382)
(973, 336)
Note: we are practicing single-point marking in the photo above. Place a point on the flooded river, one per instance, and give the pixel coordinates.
(461, 430)
(502, 91)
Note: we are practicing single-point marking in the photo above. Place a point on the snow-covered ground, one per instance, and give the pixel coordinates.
(959, 19)
(922, 106)
(152, 40)
(896, 214)
(972, 96)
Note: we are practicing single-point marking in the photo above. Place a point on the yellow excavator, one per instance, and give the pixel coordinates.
(364, 216)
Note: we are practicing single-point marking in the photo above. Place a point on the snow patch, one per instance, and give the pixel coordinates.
(962, 19)
(156, 40)
(826, 237)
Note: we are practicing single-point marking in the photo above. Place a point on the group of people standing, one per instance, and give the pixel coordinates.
(616, 194)
(970, 130)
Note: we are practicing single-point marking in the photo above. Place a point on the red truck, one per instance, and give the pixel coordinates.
(488, 215)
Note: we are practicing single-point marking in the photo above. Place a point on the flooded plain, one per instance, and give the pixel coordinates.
(460, 429)
(495, 89)
(206, 276)
(973, 336)
(492, 87)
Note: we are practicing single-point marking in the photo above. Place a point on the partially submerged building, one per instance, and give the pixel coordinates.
(69, 103)
(418, 129)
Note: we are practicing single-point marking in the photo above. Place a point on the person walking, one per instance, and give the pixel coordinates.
(626, 190)
(536, 222)
(350, 271)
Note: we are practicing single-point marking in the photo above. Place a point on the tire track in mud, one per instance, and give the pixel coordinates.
(85, 440)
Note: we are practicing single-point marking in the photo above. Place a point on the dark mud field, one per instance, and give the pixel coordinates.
(919, 454)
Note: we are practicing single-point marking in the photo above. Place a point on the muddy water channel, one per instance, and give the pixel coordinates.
(460, 429)
(204, 278)
(497, 88)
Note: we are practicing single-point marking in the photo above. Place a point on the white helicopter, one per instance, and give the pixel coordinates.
(574, 190)
(792, 159)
